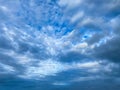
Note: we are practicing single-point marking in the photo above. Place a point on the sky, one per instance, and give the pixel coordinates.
(59, 44)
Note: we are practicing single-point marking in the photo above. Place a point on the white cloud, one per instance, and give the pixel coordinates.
(6, 68)
(69, 3)
(60, 83)
(86, 78)
(4, 8)
(80, 45)
(93, 64)
(43, 69)
(77, 16)
(46, 68)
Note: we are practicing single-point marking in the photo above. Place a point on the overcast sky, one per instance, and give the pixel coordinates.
(59, 44)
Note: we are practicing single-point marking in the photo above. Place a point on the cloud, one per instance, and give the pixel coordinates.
(43, 69)
(63, 42)
(69, 4)
(6, 68)
(77, 16)
(48, 68)
(109, 50)
(60, 84)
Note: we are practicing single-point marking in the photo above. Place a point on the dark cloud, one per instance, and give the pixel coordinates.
(95, 38)
(5, 43)
(110, 50)
(101, 7)
(72, 57)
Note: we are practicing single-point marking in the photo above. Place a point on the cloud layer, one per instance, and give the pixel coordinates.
(62, 43)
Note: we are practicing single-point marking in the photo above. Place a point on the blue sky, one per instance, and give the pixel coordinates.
(59, 45)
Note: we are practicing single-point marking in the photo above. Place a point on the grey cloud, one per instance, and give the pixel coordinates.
(73, 56)
(5, 42)
(11, 61)
(101, 7)
(104, 20)
(38, 52)
(95, 38)
(6, 59)
(114, 23)
(110, 50)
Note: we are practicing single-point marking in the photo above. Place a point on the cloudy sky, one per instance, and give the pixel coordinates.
(59, 44)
